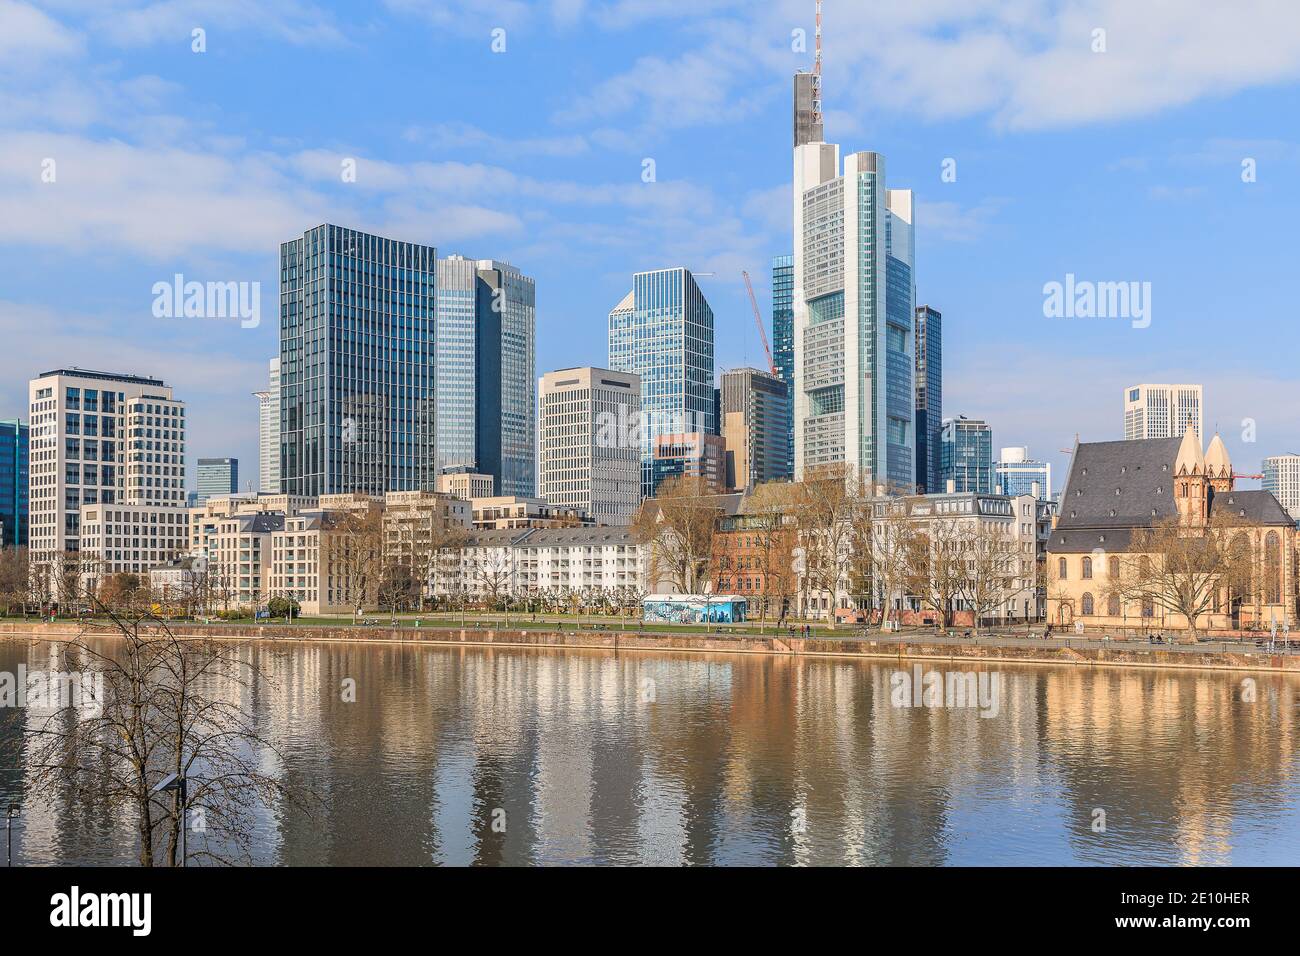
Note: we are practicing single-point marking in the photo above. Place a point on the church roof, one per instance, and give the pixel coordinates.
(1216, 457)
(1253, 507)
(1120, 484)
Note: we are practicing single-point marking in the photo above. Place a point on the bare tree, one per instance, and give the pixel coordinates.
(935, 567)
(677, 526)
(15, 579)
(167, 706)
(354, 545)
(824, 503)
(893, 535)
(988, 566)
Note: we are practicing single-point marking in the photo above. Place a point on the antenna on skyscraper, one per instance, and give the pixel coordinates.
(817, 70)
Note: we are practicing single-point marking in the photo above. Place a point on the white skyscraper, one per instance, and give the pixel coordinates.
(1162, 411)
(854, 308)
(1282, 478)
(268, 433)
(589, 442)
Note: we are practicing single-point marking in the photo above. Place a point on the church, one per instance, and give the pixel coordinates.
(1121, 492)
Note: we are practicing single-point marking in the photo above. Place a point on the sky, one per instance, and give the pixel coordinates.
(1144, 141)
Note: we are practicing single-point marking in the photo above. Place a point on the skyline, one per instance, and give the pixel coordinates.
(159, 174)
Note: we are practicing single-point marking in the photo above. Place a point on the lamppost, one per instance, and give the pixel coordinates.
(175, 782)
(11, 814)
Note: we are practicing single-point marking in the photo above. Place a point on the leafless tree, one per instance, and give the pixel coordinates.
(677, 526)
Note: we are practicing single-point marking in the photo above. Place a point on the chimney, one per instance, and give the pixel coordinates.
(1036, 489)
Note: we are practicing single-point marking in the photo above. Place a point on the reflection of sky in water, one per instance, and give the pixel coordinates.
(647, 759)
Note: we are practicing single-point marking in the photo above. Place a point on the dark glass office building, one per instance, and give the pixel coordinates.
(14, 444)
(783, 334)
(929, 398)
(357, 346)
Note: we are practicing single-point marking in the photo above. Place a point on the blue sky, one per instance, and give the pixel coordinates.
(1122, 165)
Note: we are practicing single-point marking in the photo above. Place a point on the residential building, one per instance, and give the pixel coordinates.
(1017, 474)
(99, 438)
(929, 398)
(693, 454)
(589, 444)
(662, 331)
(783, 338)
(1117, 492)
(178, 580)
(1163, 411)
(217, 476)
(485, 372)
(123, 538)
(204, 520)
(1282, 480)
(357, 363)
(239, 559)
(966, 455)
(605, 560)
(14, 462)
(464, 482)
(514, 512)
(755, 427)
(268, 432)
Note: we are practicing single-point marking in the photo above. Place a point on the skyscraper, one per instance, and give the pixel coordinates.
(929, 397)
(588, 445)
(783, 337)
(217, 476)
(1017, 473)
(1162, 411)
(356, 363)
(14, 458)
(1282, 478)
(485, 385)
(755, 426)
(663, 332)
(99, 438)
(268, 433)
(854, 299)
(966, 455)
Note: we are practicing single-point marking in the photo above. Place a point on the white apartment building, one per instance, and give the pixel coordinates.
(1163, 411)
(268, 432)
(130, 538)
(589, 446)
(204, 519)
(1282, 478)
(239, 559)
(99, 438)
(604, 559)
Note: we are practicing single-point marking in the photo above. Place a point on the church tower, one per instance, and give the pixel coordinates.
(1191, 486)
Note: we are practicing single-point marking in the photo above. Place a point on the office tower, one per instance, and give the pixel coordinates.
(99, 438)
(854, 304)
(1282, 478)
(783, 337)
(356, 363)
(693, 455)
(589, 443)
(14, 450)
(929, 397)
(663, 332)
(966, 455)
(217, 476)
(486, 390)
(1017, 473)
(268, 433)
(1162, 411)
(755, 427)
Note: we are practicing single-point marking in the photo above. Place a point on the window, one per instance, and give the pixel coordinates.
(1087, 567)
(1087, 603)
(1060, 569)
(1112, 605)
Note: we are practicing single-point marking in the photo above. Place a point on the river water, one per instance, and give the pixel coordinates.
(511, 756)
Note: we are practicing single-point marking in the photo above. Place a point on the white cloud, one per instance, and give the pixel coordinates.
(28, 35)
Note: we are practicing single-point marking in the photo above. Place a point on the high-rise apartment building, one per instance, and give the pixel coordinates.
(966, 456)
(783, 337)
(1017, 474)
(929, 397)
(1282, 478)
(14, 451)
(486, 328)
(662, 331)
(854, 304)
(1162, 411)
(268, 432)
(357, 363)
(755, 427)
(589, 449)
(99, 438)
(217, 476)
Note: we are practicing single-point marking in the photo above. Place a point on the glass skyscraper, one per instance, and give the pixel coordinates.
(356, 363)
(217, 476)
(966, 456)
(929, 397)
(14, 457)
(783, 335)
(663, 332)
(1017, 473)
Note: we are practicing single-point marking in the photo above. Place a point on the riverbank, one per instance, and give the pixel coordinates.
(987, 650)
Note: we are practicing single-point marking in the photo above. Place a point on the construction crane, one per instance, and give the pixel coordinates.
(758, 317)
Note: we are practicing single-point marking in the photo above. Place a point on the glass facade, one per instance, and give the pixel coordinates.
(929, 398)
(966, 455)
(217, 476)
(663, 331)
(357, 317)
(783, 335)
(14, 457)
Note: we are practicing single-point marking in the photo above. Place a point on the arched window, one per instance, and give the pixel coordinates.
(1087, 567)
(1114, 567)
(1087, 603)
(1272, 569)
(1060, 569)
(1148, 607)
(1112, 605)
